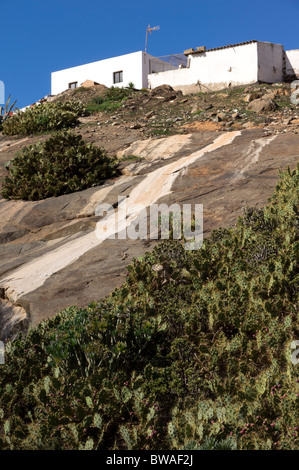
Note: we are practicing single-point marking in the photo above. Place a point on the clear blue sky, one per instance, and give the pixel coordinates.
(41, 36)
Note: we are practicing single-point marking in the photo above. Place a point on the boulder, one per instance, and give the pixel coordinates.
(162, 90)
(165, 93)
(270, 96)
(262, 105)
(221, 117)
(252, 96)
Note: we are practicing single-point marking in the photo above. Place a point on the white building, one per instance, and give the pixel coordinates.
(292, 63)
(227, 66)
(116, 71)
(212, 69)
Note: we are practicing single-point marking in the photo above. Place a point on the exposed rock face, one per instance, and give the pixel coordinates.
(13, 319)
(50, 256)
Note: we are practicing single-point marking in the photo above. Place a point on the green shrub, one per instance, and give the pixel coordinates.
(117, 93)
(196, 355)
(106, 106)
(44, 117)
(60, 165)
(133, 158)
(110, 101)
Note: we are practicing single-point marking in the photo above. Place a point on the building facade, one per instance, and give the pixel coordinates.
(222, 67)
(116, 71)
(292, 64)
(204, 70)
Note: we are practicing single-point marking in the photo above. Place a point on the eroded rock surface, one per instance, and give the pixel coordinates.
(50, 255)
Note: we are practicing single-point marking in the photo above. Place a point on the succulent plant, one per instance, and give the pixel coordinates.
(172, 362)
(63, 164)
(49, 116)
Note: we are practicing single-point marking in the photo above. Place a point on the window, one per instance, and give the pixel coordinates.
(73, 85)
(118, 77)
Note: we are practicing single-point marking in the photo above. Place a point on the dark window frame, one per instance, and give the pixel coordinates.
(118, 77)
(73, 87)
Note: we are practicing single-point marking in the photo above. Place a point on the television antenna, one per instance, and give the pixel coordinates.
(149, 30)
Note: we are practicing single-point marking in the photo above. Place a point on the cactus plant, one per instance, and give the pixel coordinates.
(171, 361)
(49, 116)
(60, 165)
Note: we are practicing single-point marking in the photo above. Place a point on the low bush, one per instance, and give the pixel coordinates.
(105, 106)
(62, 164)
(117, 93)
(111, 100)
(44, 117)
(193, 355)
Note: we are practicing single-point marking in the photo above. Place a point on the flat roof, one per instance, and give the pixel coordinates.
(225, 47)
(101, 60)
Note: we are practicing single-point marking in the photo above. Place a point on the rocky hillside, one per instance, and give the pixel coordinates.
(193, 352)
(222, 150)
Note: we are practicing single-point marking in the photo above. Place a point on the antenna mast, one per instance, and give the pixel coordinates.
(149, 30)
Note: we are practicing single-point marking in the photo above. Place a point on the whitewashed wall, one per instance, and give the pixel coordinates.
(292, 62)
(135, 67)
(150, 64)
(270, 62)
(101, 72)
(214, 69)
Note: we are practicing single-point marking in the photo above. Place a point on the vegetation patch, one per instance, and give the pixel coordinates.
(111, 100)
(193, 351)
(97, 105)
(60, 165)
(158, 132)
(44, 117)
(132, 158)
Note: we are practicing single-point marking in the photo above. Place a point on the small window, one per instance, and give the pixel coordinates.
(73, 85)
(118, 77)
